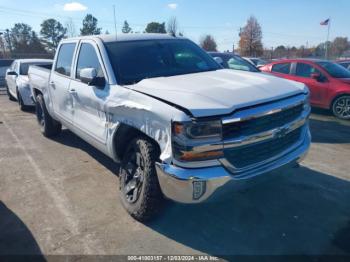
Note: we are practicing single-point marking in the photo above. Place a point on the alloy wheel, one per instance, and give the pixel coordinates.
(133, 176)
(341, 107)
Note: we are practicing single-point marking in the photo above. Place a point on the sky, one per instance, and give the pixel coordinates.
(283, 22)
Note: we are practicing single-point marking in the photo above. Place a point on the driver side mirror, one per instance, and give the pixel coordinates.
(89, 76)
(12, 73)
(219, 60)
(316, 76)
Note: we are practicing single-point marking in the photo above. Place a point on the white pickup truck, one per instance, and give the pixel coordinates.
(180, 125)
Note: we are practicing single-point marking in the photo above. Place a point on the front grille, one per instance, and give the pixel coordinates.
(261, 124)
(255, 153)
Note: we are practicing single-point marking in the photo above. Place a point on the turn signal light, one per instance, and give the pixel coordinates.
(193, 156)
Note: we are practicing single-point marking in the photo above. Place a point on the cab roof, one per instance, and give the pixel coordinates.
(126, 37)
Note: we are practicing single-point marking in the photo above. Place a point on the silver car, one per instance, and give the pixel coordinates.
(17, 81)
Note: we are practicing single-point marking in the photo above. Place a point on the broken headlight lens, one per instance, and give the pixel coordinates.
(197, 141)
(198, 130)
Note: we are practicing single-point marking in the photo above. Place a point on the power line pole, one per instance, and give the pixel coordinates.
(115, 21)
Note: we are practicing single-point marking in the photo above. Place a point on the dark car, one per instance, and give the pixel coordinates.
(4, 65)
(232, 61)
(344, 63)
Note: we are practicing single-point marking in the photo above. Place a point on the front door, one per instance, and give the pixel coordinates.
(89, 101)
(60, 81)
(318, 87)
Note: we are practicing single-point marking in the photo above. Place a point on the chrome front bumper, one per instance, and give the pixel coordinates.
(190, 186)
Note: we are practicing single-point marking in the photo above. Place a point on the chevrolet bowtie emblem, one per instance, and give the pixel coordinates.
(282, 132)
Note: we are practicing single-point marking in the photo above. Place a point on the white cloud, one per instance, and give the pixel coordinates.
(172, 6)
(74, 6)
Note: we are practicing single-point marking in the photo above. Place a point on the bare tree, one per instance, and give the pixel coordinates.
(172, 26)
(208, 43)
(71, 29)
(250, 43)
(339, 46)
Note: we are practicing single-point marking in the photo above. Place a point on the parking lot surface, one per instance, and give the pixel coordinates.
(61, 197)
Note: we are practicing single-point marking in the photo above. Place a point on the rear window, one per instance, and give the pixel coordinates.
(64, 59)
(346, 65)
(283, 68)
(25, 67)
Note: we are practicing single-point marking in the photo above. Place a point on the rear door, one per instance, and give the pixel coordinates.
(318, 88)
(60, 80)
(89, 113)
(282, 70)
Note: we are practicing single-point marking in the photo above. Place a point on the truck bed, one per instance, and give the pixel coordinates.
(39, 78)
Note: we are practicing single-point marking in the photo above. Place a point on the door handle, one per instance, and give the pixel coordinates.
(52, 84)
(72, 91)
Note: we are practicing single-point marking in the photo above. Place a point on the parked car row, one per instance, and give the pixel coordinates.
(181, 126)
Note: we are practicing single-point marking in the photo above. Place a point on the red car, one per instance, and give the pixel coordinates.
(329, 83)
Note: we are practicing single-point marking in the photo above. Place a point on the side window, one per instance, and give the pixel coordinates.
(305, 70)
(64, 59)
(346, 65)
(88, 59)
(14, 66)
(283, 68)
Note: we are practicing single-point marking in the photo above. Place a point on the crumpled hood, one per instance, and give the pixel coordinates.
(218, 92)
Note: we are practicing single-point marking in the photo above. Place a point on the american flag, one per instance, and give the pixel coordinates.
(325, 22)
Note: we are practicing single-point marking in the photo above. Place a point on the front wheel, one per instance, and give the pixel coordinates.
(49, 126)
(140, 192)
(341, 107)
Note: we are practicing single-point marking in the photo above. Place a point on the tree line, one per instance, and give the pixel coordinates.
(250, 44)
(21, 40)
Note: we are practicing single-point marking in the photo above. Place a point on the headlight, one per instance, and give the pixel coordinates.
(307, 105)
(198, 130)
(197, 141)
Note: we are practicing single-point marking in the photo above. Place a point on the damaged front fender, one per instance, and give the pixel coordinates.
(129, 110)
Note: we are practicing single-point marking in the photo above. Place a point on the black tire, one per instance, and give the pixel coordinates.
(341, 107)
(49, 126)
(11, 98)
(140, 192)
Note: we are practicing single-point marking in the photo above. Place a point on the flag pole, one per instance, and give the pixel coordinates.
(327, 42)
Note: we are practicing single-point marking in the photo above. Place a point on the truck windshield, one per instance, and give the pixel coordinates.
(335, 70)
(133, 61)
